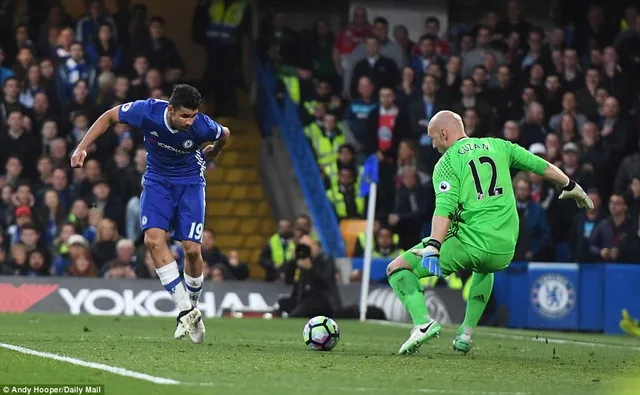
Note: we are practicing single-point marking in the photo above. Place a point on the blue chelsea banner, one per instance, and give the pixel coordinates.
(553, 291)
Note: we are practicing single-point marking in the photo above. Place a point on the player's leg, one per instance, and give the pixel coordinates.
(156, 212)
(481, 286)
(193, 270)
(404, 275)
(189, 226)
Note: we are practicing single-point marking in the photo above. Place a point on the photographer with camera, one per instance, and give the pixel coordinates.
(312, 274)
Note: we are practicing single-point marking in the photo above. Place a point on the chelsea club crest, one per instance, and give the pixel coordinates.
(187, 144)
(553, 296)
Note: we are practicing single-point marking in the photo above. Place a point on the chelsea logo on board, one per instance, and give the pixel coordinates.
(553, 296)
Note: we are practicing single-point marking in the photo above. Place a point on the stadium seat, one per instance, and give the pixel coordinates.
(254, 242)
(218, 191)
(239, 193)
(248, 226)
(350, 229)
(223, 225)
(229, 242)
(237, 208)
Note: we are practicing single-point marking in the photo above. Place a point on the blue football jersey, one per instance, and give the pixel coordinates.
(171, 154)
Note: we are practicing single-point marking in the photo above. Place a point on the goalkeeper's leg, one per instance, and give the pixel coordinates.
(404, 275)
(483, 265)
(479, 294)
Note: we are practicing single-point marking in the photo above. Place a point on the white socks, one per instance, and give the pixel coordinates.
(194, 288)
(170, 278)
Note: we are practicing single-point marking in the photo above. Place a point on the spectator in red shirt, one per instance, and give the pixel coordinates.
(350, 37)
(432, 28)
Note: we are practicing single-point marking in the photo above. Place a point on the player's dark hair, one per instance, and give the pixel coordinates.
(186, 96)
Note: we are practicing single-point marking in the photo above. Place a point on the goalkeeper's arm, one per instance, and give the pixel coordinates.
(570, 190)
(525, 160)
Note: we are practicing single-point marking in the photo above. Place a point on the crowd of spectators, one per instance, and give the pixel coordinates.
(57, 76)
(568, 95)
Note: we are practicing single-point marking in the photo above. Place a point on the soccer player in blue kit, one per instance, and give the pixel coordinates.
(173, 196)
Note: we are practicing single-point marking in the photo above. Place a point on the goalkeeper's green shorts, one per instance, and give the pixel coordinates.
(455, 256)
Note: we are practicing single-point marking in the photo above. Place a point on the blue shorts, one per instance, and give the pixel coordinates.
(178, 208)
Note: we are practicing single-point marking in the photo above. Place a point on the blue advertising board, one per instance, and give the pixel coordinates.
(553, 294)
(585, 297)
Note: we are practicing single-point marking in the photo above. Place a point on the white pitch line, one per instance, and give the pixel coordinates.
(165, 381)
(485, 332)
(92, 365)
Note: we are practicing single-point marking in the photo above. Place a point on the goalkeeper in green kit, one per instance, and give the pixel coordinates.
(475, 223)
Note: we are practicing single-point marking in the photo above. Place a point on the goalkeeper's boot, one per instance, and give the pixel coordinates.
(186, 321)
(197, 331)
(462, 343)
(420, 335)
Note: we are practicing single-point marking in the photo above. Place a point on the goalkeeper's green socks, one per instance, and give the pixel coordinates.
(410, 291)
(479, 294)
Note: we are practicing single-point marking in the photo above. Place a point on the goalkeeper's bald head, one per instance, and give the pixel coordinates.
(445, 128)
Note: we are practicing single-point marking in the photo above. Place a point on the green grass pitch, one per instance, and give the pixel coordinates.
(258, 357)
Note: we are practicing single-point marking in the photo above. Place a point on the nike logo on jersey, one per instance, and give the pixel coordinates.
(426, 328)
(154, 133)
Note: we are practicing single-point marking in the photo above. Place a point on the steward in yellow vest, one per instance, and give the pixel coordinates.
(218, 26)
(385, 247)
(326, 141)
(362, 240)
(279, 250)
(225, 19)
(346, 158)
(345, 198)
(317, 120)
(321, 93)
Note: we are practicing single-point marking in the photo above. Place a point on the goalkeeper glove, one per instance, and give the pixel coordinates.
(430, 256)
(575, 192)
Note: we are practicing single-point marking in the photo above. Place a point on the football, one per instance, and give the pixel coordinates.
(321, 333)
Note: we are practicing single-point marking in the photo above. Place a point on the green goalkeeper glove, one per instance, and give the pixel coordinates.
(575, 192)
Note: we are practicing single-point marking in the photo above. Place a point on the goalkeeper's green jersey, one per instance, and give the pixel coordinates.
(472, 182)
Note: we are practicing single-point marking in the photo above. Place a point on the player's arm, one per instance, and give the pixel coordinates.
(525, 160)
(212, 151)
(100, 126)
(446, 185)
(129, 113)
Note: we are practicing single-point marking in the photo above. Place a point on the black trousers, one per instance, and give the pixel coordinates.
(221, 80)
(308, 307)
